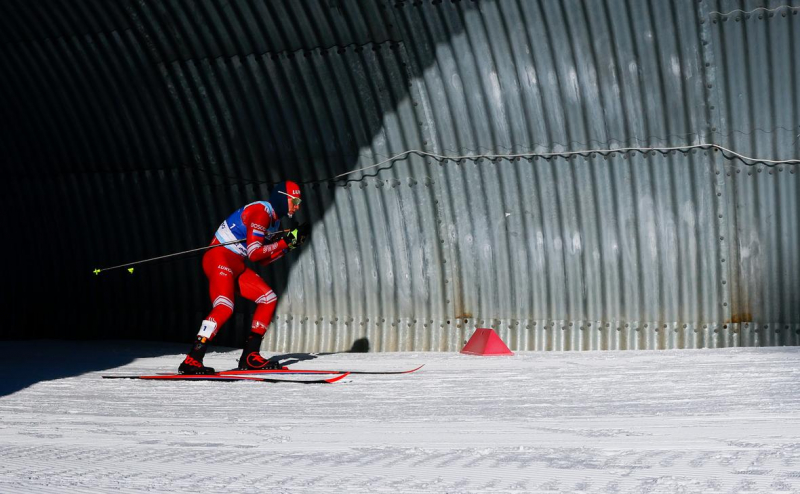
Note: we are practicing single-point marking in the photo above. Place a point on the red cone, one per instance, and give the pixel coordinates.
(485, 342)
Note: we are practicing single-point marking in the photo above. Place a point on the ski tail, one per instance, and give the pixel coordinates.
(256, 372)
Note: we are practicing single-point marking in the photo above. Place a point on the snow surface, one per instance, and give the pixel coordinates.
(633, 421)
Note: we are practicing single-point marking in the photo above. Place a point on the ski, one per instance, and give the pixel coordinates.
(236, 372)
(228, 378)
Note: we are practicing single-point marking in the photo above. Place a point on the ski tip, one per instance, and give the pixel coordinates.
(337, 378)
(414, 370)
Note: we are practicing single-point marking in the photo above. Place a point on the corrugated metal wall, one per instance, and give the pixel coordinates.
(756, 108)
(134, 127)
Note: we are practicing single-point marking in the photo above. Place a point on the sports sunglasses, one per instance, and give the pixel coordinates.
(293, 199)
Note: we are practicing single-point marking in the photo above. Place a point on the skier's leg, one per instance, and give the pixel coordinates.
(221, 267)
(252, 287)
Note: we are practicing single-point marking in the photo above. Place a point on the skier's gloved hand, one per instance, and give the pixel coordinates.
(297, 236)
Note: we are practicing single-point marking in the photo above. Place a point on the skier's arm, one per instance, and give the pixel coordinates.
(290, 240)
(257, 248)
(270, 252)
(274, 256)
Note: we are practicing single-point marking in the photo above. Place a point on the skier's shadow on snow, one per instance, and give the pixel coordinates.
(26, 363)
(359, 346)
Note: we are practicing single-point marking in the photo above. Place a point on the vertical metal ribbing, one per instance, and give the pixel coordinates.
(543, 137)
(14, 24)
(160, 99)
(67, 50)
(686, 69)
(481, 292)
(232, 83)
(573, 76)
(273, 111)
(448, 113)
(785, 194)
(628, 242)
(307, 141)
(263, 22)
(140, 191)
(522, 228)
(442, 268)
(423, 202)
(670, 89)
(237, 19)
(378, 215)
(299, 28)
(154, 98)
(722, 318)
(72, 101)
(323, 159)
(105, 86)
(349, 213)
(550, 203)
(745, 45)
(499, 84)
(341, 225)
(196, 95)
(386, 225)
(594, 252)
(235, 154)
(31, 113)
(133, 104)
(264, 128)
(332, 156)
(152, 316)
(70, 122)
(298, 117)
(385, 144)
(321, 271)
(27, 26)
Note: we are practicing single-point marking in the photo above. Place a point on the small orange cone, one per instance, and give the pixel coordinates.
(485, 342)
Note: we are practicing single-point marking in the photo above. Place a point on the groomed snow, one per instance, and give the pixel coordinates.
(635, 421)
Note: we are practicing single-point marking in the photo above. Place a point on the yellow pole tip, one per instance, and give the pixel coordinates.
(96, 271)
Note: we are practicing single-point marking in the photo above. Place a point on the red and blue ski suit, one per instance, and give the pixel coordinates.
(253, 223)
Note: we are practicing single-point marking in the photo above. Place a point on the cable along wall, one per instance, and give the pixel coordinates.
(584, 171)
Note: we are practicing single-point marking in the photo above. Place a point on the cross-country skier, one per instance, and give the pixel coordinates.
(257, 224)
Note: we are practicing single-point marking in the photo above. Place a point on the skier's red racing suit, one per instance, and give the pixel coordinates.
(253, 223)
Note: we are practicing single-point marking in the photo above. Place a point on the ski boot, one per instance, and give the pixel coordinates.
(193, 363)
(254, 361)
(251, 359)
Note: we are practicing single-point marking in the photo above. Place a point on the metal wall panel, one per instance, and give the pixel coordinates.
(756, 112)
(142, 124)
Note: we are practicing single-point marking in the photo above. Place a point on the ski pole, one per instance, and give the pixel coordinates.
(130, 270)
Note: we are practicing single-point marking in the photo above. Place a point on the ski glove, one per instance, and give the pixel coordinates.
(297, 237)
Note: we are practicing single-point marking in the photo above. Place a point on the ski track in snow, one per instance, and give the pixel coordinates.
(649, 421)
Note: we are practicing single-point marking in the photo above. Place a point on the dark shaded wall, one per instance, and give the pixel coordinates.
(133, 128)
(130, 129)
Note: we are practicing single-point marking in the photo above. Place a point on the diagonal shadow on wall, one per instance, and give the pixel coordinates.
(133, 128)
